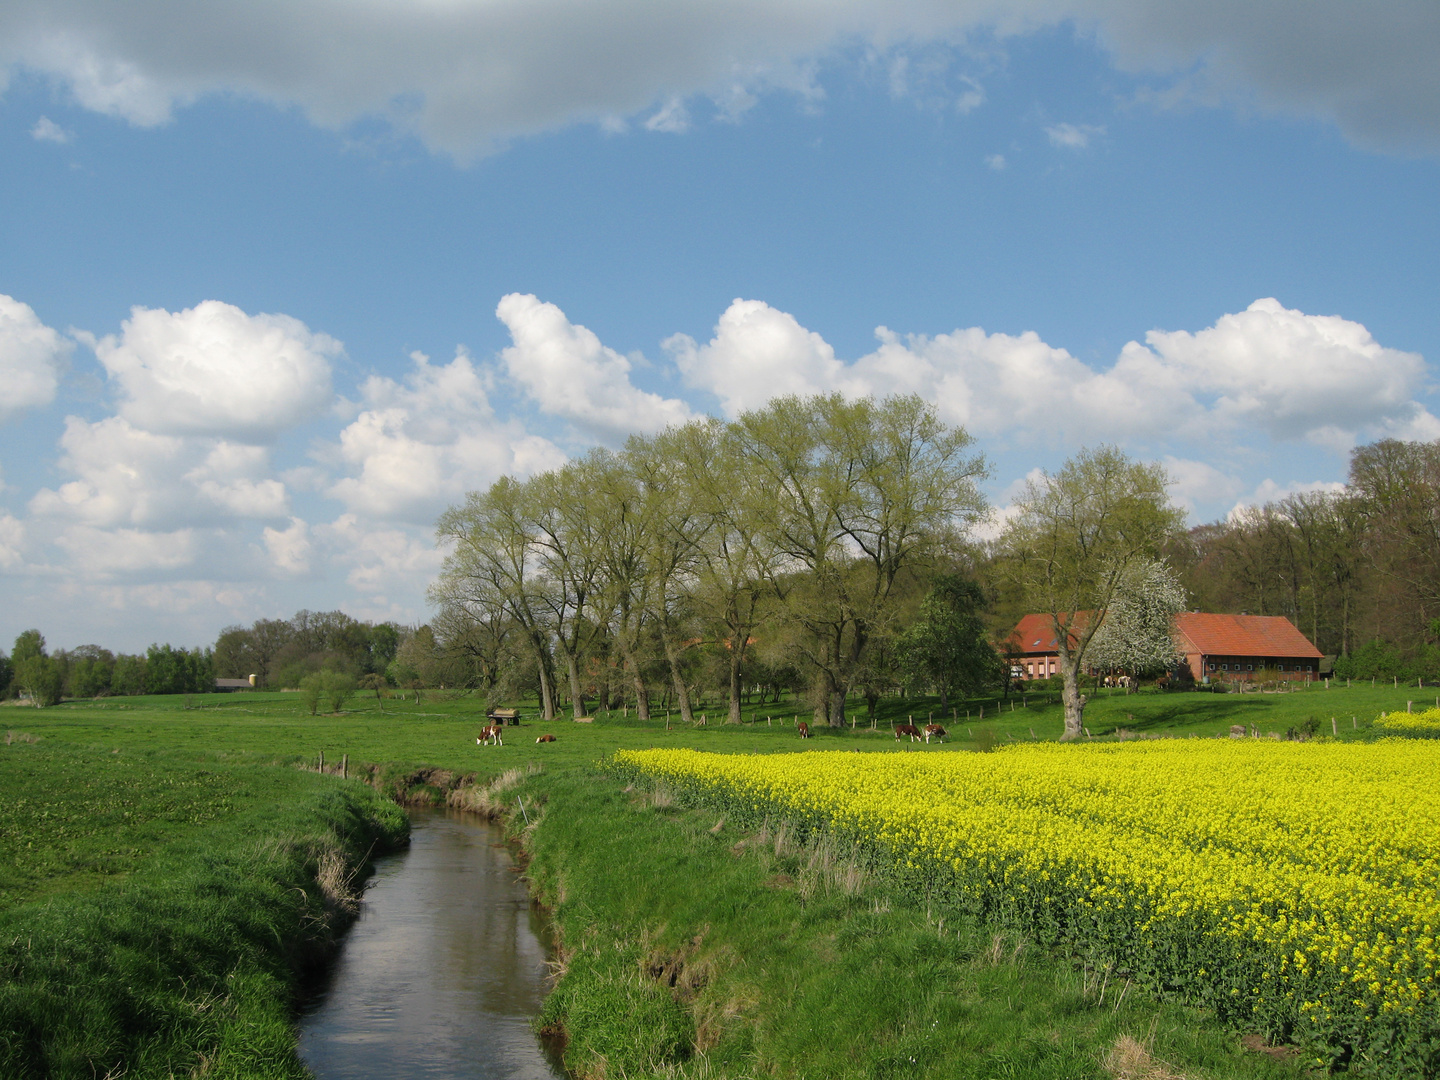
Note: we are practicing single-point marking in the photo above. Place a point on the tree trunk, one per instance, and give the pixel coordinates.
(547, 693)
(632, 666)
(736, 660)
(1071, 696)
(642, 698)
(682, 693)
(577, 695)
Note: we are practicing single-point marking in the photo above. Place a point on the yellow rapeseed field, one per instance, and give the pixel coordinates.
(1293, 886)
(1404, 723)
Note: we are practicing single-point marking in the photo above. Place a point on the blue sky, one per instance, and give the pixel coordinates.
(278, 285)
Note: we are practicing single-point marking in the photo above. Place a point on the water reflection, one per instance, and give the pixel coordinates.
(443, 970)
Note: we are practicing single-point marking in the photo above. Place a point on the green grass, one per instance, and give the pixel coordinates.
(160, 915)
(160, 857)
(787, 961)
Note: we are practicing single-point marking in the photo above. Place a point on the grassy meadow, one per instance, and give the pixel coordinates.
(163, 890)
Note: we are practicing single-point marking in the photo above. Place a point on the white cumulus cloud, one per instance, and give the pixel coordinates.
(758, 353)
(289, 548)
(569, 374)
(1281, 372)
(126, 476)
(31, 355)
(426, 440)
(1318, 377)
(382, 560)
(214, 370)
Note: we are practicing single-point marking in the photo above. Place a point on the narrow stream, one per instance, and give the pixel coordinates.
(443, 971)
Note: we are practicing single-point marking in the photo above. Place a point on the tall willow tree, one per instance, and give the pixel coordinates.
(848, 495)
(494, 564)
(732, 557)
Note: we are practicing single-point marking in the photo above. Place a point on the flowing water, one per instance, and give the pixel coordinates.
(443, 971)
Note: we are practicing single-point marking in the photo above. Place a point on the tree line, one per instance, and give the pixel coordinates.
(278, 652)
(792, 548)
(45, 677)
(824, 547)
(1358, 570)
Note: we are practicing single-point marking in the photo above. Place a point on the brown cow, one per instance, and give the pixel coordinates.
(935, 730)
(545, 738)
(902, 730)
(804, 729)
(490, 734)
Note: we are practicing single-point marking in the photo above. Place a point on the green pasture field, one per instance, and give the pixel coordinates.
(159, 911)
(152, 847)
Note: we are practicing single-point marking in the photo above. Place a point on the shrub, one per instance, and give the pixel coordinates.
(333, 688)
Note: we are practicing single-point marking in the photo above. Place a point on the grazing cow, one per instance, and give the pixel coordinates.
(901, 730)
(804, 729)
(935, 730)
(545, 738)
(490, 734)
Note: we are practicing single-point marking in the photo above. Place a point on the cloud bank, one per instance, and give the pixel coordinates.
(1292, 376)
(466, 75)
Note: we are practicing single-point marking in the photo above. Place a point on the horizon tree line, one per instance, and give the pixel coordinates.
(825, 547)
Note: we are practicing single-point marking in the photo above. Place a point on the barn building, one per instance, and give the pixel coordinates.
(1215, 647)
(1239, 647)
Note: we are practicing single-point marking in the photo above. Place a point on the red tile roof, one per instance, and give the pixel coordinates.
(1035, 634)
(1201, 632)
(1243, 635)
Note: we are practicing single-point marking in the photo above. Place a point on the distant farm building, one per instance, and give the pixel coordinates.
(1241, 646)
(1215, 647)
(225, 686)
(1032, 648)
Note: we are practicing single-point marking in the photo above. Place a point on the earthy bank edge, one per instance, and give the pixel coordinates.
(688, 948)
(193, 964)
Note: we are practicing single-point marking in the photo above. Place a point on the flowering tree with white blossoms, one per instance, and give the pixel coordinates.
(1137, 634)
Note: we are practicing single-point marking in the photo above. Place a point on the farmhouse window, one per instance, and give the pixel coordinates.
(1279, 667)
(1249, 667)
(1211, 667)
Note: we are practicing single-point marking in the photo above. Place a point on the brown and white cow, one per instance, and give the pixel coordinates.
(936, 731)
(901, 730)
(545, 738)
(804, 729)
(490, 734)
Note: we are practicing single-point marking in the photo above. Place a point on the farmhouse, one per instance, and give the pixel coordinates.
(1230, 647)
(1215, 647)
(1032, 649)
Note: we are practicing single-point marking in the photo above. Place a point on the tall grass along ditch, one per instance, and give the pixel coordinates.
(1292, 888)
(175, 911)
